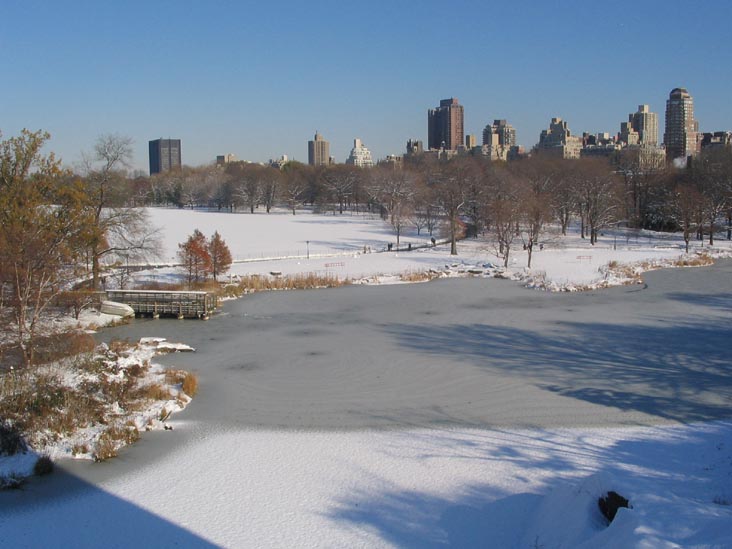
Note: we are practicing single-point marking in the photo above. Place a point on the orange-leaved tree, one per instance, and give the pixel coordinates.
(220, 255)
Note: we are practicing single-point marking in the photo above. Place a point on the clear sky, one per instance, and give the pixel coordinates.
(257, 79)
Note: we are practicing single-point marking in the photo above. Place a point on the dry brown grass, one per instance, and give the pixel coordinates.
(113, 438)
(55, 347)
(187, 381)
(418, 276)
(305, 281)
(700, 260)
(120, 346)
(155, 391)
(190, 384)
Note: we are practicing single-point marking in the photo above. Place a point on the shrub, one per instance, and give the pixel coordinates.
(114, 437)
(11, 440)
(190, 384)
(79, 449)
(58, 346)
(104, 448)
(43, 466)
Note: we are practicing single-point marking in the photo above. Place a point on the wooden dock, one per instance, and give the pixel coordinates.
(155, 303)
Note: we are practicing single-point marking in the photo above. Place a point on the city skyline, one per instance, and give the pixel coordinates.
(245, 84)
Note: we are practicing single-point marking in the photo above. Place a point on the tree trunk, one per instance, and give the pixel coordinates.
(711, 230)
(95, 269)
(530, 248)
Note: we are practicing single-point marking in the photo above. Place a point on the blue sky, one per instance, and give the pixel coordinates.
(258, 79)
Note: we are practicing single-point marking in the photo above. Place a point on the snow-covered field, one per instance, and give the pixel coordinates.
(353, 246)
(210, 484)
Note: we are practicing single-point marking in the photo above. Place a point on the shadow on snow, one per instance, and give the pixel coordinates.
(677, 371)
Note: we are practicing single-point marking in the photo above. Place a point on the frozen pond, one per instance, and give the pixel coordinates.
(469, 352)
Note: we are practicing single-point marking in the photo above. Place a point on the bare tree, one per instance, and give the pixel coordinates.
(449, 182)
(712, 172)
(114, 229)
(294, 185)
(503, 210)
(685, 204)
(425, 212)
(271, 183)
(340, 183)
(394, 191)
(641, 173)
(598, 191)
(534, 179)
(247, 180)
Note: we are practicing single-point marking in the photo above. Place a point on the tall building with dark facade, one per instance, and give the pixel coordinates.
(681, 132)
(318, 151)
(164, 155)
(445, 125)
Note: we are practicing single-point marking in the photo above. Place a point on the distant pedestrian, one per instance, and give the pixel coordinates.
(388, 246)
(433, 241)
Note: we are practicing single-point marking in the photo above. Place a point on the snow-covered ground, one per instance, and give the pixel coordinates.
(353, 246)
(422, 487)
(413, 488)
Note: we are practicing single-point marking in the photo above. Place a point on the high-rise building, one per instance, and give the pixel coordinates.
(164, 155)
(645, 123)
(628, 134)
(499, 133)
(318, 151)
(558, 140)
(471, 141)
(681, 132)
(360, 156)
(445, 125)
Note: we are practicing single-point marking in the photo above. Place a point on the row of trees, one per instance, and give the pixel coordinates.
(638, 191)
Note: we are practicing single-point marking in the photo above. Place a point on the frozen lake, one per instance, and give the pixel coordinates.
(475, 353)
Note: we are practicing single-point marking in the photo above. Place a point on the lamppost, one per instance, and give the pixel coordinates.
(307, 244)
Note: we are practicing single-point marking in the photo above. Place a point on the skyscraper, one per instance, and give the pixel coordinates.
(445, 125)
(645, 123)
(165, 155)
(681, 132)
(318, 151)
